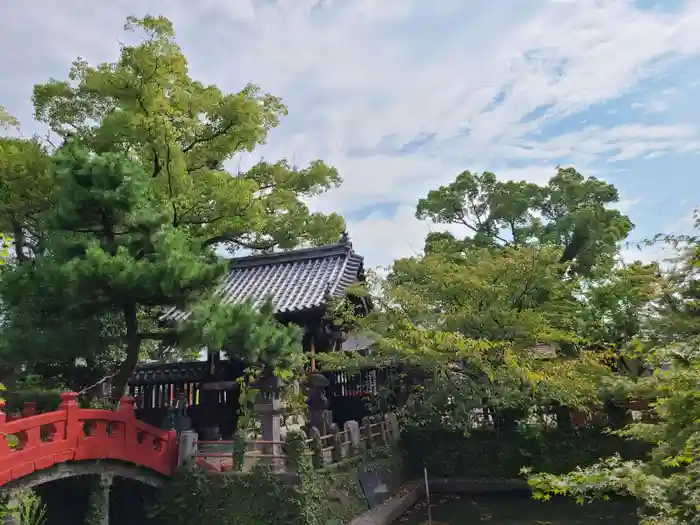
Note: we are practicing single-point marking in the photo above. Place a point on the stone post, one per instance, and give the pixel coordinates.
(383, 432)
(106, 481)
(318, 402)
(270, 408)
(187, 447)
(317, 458)
(352, 430)
(393, 424)
(367, 429)
(182, 421)
(337, 452)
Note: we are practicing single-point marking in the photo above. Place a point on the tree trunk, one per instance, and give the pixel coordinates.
(19, 241)
(133, 348)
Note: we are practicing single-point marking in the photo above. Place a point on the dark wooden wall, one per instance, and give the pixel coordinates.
(351, 396)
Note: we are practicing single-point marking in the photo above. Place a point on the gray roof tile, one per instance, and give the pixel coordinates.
(295, 280)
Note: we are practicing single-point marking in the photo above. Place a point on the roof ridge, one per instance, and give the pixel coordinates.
(173, 364)
(297, 280)
(301, 254)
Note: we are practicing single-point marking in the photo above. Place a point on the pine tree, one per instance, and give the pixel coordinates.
(112, 263)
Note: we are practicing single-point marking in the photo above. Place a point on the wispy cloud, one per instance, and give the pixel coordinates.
(403, 94)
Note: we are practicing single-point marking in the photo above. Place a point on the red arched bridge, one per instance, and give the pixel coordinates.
(70, 441)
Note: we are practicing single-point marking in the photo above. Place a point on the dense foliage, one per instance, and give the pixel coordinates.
(255, 499)
(322, 496)
(26, 191)
(665, 483)
(485, 454)
(571, 212)
(112, 264)
(531, 317)
(526, 313)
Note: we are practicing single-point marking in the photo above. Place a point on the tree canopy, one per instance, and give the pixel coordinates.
(536, 276)
(572, 212)
(185, 134)
(120, 220)
(26, 190)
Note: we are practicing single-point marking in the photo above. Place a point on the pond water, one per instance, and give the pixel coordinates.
(516, 509)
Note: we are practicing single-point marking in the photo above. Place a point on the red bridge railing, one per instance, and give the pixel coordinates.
(38, 441)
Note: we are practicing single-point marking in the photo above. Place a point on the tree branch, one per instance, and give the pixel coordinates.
(104, 379)
(215, 135)
(235, 238)
(19, 240)
(200, 222)
(158, 336)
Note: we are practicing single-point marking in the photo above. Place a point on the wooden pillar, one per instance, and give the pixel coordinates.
(209, 405)
(313, 355)
(209, 400)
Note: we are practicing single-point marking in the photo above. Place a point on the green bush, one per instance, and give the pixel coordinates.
(501, 454)
(247, 499)
(46, 400)
(323, 497)
(335, 491)
(27, 509)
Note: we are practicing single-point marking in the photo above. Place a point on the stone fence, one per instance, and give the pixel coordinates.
(284, 455)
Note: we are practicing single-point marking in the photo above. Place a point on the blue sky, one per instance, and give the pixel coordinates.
(401, 95)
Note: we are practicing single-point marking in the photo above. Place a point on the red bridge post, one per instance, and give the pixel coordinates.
(69, 405)
(4, 448)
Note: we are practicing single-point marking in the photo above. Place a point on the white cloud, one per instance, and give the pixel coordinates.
(379, 239)
(366, 77)
(646, 254)
(642, 250)
(625, 205)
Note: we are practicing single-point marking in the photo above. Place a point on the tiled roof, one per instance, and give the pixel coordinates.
(156, 373)
(295, 281)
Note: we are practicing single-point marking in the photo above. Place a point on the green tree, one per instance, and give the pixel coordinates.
(25, 191)
(7, 120)
(612, 308)
(473, 325)
(185, 134)
(666, 484)
(571, 211)
(494, 294)
(113, 262)
(536, 269)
